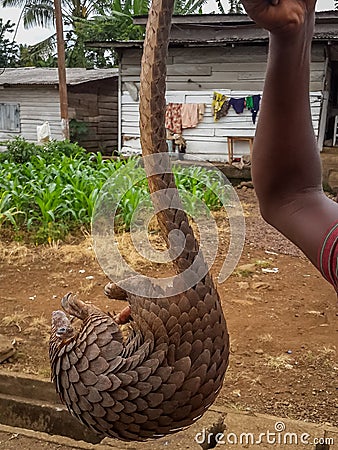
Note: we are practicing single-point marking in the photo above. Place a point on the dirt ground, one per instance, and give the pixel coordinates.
(282, 324)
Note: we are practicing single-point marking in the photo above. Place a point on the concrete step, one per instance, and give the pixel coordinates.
(33, 404)
(33, 409)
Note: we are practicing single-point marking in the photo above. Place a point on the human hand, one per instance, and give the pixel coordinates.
(282, 17)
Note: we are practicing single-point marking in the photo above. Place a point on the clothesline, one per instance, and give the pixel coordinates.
(183, 115)
(180, 116)
(222, 103)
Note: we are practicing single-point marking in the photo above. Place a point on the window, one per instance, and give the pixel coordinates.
(9, 117)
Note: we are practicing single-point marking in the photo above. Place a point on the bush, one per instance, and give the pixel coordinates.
(78, 130)
(21, 151)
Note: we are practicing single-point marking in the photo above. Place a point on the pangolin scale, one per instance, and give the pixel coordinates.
(157, 366)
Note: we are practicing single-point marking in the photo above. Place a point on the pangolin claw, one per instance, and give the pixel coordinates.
(115, 292)
(73, 306)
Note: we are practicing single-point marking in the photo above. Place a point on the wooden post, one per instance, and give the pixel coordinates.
(61, 70)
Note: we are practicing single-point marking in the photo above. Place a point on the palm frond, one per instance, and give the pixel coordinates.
(67, 6)
(116, 6)
(47, 45)
(39, 13)
(13, 3)
(235, 7)
(139, 7)
(189, 7)
(220, 7)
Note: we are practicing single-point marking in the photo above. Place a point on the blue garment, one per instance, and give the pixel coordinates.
(238, 104)
(255, 108)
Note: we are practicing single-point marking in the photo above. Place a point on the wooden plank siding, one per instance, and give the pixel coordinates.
(37, 105)
(96, 104)
(93, 102)
(193, 74)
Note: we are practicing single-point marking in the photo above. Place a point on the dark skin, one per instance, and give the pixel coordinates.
(286, 167)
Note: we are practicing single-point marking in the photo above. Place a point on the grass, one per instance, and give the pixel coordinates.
(322, 357)
(16, 319)
(39, 326)
(86, 288)
(265, 338)
(262, 263)
(15, 253)
(280, 362)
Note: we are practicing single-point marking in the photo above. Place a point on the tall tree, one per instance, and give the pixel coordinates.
(115, 21)
(41, 13)
(88, 19)
(220, 6)
(9, 50)
(39, 55)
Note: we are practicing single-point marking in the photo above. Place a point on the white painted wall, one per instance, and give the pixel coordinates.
(37, 105)
(209, 139)
(193, 75)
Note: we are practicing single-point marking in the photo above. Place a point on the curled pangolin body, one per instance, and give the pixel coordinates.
(157, 366)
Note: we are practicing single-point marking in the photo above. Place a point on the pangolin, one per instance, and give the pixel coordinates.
(158, 365)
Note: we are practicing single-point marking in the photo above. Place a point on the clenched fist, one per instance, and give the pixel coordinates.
(281, 16)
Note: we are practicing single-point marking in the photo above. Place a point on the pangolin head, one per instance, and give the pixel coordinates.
(61, 327)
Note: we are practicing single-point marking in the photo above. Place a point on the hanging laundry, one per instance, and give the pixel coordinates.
(201, 111)
(255, 106)
(224, 110)
(189, 114)
(220, 105)
(252, 103)
(249, 102)
(173, 117)
(238, 104)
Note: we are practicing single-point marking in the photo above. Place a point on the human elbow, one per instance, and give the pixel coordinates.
(269, 209)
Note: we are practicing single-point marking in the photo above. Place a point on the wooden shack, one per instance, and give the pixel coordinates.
(225, 54)
(29, 97)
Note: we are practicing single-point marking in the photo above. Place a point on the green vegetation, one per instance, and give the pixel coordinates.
(9, 50)
(88, 20)
(50, 190)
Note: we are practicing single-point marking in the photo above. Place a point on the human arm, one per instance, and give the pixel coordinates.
(286, 165)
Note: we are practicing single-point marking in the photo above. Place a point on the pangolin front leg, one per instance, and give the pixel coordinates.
(115, 292)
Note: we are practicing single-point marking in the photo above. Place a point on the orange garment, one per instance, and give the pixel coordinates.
(190, 115)
(201, 111)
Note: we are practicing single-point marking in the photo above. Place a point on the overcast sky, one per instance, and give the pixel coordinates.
(35, 35)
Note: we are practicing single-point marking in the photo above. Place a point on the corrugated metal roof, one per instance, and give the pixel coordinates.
(217, 29)
(188, 19)
(228, 19)
(234, 38)
(49, 76)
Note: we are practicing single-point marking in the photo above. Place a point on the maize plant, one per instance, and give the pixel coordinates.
(50, 193)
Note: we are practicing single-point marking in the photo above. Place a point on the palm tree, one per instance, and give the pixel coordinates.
(41, 13)
(115, 20)
(83, 19)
